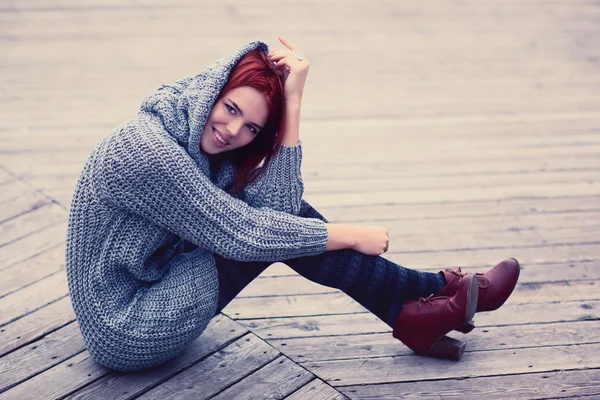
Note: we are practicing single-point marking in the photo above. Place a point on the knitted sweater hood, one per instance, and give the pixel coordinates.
(147, 218)
(183, 107)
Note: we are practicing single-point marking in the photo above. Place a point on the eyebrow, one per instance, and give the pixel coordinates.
(242, 114)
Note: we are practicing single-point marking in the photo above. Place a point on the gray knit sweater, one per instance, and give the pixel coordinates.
(147, 218)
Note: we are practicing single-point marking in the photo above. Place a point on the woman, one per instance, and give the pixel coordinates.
(180, 208)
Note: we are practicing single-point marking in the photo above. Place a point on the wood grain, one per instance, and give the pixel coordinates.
(468, 129)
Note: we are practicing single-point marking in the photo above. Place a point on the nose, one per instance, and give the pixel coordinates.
(234, 127)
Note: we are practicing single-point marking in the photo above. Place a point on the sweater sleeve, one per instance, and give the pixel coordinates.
(152, 176)
(280, 187)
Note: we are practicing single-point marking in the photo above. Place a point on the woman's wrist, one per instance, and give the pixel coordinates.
(292, 126)
(340, 237)
(293, 103)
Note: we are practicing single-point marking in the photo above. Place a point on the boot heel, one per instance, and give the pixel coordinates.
(466, 328)
(448, 348)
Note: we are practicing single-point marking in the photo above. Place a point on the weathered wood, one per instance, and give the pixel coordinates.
(339, 303)
(547, 253)
(530, 273)
(295, 284)
(497, 362)
(32, 270)
(39, 356)
(365, 322)
(28, 223)
(276, 380)
(13, 190)
(316, 390)
(33, 244)
(33, 297)
(5, 177)
(219, 371)
(379, 197)
(347, 186)
(16, 207)
(290, 306)
(81, 370)
(466, 210)
(481, 339)
(58, 380)
(32, 326)
(470, 131)
(564, 384)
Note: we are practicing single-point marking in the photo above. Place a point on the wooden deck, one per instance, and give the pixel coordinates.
(470, 129)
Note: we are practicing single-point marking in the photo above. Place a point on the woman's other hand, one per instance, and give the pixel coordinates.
(371, 240)
(293, 70)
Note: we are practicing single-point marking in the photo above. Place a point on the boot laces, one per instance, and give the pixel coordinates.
(428, 299)
(483, 281)
(456, 272)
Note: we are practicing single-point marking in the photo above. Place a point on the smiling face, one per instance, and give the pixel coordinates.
(235, 120)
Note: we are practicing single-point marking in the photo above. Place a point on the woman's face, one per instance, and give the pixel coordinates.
(234, 120)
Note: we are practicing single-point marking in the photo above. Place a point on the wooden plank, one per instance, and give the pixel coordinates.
(433, 194)
(376, 183)
(498, 224)
(549, 253)
(496, 362)
(5, 177)
(530, 273)
(32, 270)
(35, 325)
(365, 322)
(290, 306)
(219, 371)
(563, 384)
(276, 380)
(33, 297)
(12, 190)
(517, 237)
(339, 303)
(316, 390)
(21, 205)
(58, 380)
(81, 370)
(426, 211)
(290, 283)
(41, 355)
(364, 346)
(33, 244)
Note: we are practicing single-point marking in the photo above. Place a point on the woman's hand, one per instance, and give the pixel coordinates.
(371, 240)
(293, 71)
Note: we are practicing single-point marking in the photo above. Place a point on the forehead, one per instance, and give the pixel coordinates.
(252, 103)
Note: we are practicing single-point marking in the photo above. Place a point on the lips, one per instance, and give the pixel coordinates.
(218, 137)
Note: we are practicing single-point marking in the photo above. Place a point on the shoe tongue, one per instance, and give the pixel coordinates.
(452, 283)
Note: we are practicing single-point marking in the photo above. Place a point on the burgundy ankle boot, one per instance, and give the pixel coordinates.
(423, 323)
(495, 286)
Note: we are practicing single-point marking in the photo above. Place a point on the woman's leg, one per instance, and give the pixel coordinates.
(377, 284)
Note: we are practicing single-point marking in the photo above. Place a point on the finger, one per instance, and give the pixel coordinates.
(287, 43)
(286, 62)
(278, 55)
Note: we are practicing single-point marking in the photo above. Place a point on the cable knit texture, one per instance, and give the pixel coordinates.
(148, 215)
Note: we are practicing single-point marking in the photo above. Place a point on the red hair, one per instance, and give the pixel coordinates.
(255, 70)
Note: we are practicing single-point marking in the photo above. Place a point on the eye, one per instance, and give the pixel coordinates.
(230, 109)
(252, 129)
